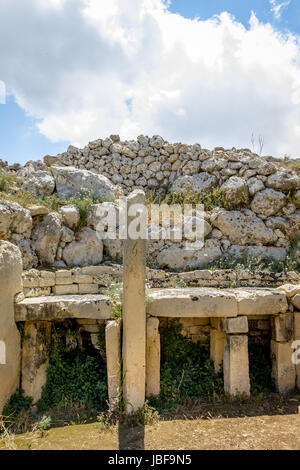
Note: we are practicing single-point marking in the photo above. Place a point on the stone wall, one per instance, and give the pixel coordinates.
(259, 216)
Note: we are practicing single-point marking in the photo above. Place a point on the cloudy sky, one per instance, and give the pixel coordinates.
(213, 72)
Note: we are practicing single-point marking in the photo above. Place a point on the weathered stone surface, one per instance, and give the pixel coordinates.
(297, 351)
(134, 315)
(217, 347)
(290, 290)
(192, 302)
(268, 202)
(35, 357)
(46, 236)
(13, 218)
(236, 325)
(113, 361)
(87, 250)
(236, 365)
(196, 183)
(283, 327)
(37, 210)
(190, 256)
(66, 289)
(29, 257)
(236, 191)
(70, 180)
(37, 182)
(296, 301)
(260, 301)
(63, 306)
(283, 180)
(283, 369)
(70, 215)
(242, 228)
(10, 285)
(256, 252)
(153, 357)
(101, 214)
(175, 257)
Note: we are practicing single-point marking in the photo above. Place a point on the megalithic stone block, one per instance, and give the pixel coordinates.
(217, 347)
(134, 311)
(297, 338)
(10, 285)
(113, 361)
(236, 365)
(153, 357)
(283, 368)
(35, 357)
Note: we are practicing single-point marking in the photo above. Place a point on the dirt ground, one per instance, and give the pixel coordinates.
(271, 425)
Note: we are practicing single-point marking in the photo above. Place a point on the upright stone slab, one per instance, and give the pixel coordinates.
(10, 285)
(134, 313)
(236, 365)
(35, 357)
(217, 346)
(297, 338)
(113, 361)
(153, 357)
(283, 368)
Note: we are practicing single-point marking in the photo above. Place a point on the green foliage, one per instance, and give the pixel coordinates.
(209, 199)
(7, 180)
(44, 423)
(83, 201)
(260, 368)
(186, 369)
(115, 293)
(256, 264)
(73, 376)
(15, 405)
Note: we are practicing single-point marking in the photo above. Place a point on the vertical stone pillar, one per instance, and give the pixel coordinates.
(10, 285)
(236, 365)
(134, 310)
(217, 347)
(35, 357)
(297, 338)
(283, 368)
(113, 361)
(153, 357)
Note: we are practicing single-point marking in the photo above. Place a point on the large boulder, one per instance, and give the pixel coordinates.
(268, 202)
(101, 216)
(70, 181)
(196, 183)
(236, 191)
(190, 256)
(283, 180)
(256, 253)
(14, 219)
(29, 257)
(46, 236)
(40, 183)
(71, 216)
(242, 228)
(87, 250)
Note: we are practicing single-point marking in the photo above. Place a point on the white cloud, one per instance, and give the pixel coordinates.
(87, 69)
(277, 7)
(2, 92)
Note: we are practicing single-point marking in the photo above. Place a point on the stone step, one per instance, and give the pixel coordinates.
(58, 307)
(209, 302)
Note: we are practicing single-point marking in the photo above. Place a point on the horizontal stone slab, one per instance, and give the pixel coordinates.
(192, 302)
(209, 302)
(63, 306)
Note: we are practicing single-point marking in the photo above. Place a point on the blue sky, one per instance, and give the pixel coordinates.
(23, 137)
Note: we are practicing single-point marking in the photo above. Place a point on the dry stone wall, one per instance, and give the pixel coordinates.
(261, 217)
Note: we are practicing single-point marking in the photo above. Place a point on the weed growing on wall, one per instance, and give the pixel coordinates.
(74, 375)
(17, 404)
(186, 369)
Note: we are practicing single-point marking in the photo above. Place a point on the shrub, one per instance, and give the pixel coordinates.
(15, 405)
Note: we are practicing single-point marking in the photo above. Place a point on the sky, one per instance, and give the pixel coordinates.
(214, 72)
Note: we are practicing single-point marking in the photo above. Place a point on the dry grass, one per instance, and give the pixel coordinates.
(273, 423)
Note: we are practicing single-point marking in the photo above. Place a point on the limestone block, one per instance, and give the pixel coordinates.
(31, 278)
(236, 365)
(283, 369)
(37, 291)
(47, 279)
(290, 289)
(113, 361)
(10, 285)
(217, 346)
(134, 315)
(297, 338)
(153, 357)
(88, 288)
(81, 278)
(236, 325)
(283, 327)
(296, 301)
(64, 277)
(35, 357)
(260, 301)
(192, 302)
(66, 289)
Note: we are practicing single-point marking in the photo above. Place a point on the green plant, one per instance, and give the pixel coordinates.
(115, 293)
(73, 375)
(44, 423)
(7, 180)
(186, 369)
(15, 405)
